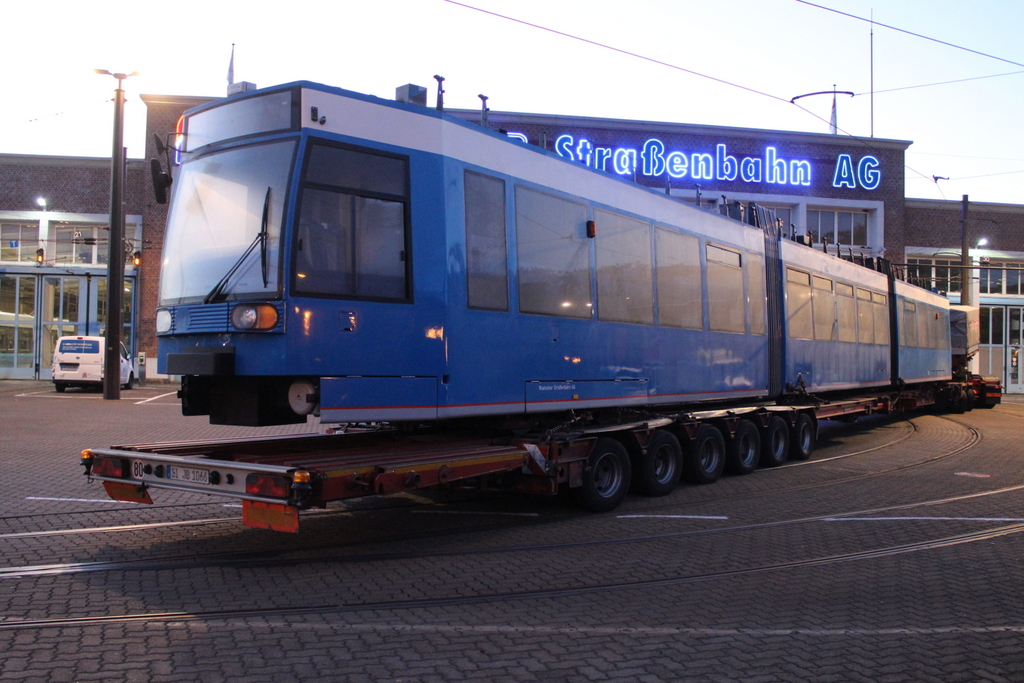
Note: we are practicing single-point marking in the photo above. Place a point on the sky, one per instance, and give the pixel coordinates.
(718, 62)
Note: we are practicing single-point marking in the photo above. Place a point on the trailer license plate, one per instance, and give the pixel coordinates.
(188, 474)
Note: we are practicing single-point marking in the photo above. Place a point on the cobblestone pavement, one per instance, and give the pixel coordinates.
(901, 561)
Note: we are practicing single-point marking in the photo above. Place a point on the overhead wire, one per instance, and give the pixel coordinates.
(863, 141)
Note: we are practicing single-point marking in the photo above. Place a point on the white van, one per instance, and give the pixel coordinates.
(78, 362)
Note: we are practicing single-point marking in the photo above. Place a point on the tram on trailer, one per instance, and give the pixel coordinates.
(463, 308)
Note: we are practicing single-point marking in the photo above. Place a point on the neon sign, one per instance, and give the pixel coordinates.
(655, 159)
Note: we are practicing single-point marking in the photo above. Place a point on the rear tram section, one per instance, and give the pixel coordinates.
(458, 308)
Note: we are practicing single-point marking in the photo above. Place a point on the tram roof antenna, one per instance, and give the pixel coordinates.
(440, 92)
(483, 110)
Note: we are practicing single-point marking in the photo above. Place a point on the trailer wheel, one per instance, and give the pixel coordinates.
(705, 456)
(775, 442)
(969, 399)
(606, 479)
(744, 450)
(801, 438)
(657, 472)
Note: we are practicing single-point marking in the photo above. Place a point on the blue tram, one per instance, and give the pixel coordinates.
(374, 261)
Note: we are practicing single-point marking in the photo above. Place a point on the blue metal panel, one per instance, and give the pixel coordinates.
(358, 399)
(835, 366)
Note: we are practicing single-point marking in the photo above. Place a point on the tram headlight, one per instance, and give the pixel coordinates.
(163, 320)
(254, 317)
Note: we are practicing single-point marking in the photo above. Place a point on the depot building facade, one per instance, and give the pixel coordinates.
(837, 193)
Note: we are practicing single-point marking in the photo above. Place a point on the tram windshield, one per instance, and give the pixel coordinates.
(221, 205)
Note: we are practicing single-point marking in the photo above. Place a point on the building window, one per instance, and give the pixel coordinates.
(19, 241)
(838, 227)
(938, 275)
(72, 243)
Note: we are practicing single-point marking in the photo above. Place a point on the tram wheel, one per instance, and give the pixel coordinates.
(743, 451)
(658, 470)
(774, 442)
(606, 479)
(801, 438)
(705, 456)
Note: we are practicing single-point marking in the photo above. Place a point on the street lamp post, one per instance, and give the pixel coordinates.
(115, 254)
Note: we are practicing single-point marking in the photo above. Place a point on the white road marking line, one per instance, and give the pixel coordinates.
(972, 474)
(82, 500)
(673, 516)
(170, 393)
(109, 529)
(471, 512)
(940, 519)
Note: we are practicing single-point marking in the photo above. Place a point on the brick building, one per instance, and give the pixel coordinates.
(839, 193)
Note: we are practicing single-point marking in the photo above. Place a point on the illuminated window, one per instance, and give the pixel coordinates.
(553, 251)
(19, 241)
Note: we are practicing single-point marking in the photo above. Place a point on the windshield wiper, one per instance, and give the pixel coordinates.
(261, 241)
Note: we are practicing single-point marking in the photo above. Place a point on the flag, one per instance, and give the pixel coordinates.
(231, 75)
(832, 123)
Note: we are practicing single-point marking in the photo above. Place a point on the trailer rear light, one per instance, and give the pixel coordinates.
(109, 467)
(268, 485)
(254, 317)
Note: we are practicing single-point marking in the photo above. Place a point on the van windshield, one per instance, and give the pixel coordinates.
(216, 213)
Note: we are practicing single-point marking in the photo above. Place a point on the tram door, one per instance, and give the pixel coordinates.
(1014, 345)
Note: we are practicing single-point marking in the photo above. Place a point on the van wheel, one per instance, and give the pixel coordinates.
(59, 387)
(131, 381)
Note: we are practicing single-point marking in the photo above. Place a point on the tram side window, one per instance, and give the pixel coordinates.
(755, 293)
(624, 278)
(881, 314)
(680, 301)
(726, 312)
(798, 300)
(909, 333)
(554, 255)
(865, 317)
(348, 243)
(824, 309)
(486, 253)
(846, 312)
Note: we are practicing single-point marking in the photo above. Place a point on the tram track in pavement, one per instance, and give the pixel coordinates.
(543, 593)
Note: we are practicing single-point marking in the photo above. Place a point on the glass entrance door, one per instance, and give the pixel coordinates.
(1014, 344)
(18, 326)
(62, 313)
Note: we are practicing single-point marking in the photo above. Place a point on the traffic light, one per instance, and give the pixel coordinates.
(39, 255)
(137, 258)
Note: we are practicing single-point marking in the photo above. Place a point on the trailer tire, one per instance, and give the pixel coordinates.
(657, 471)
(606, 478)
(743, 451)
(969, 399)
(775, 442)
(801, 438)
(705, 456)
